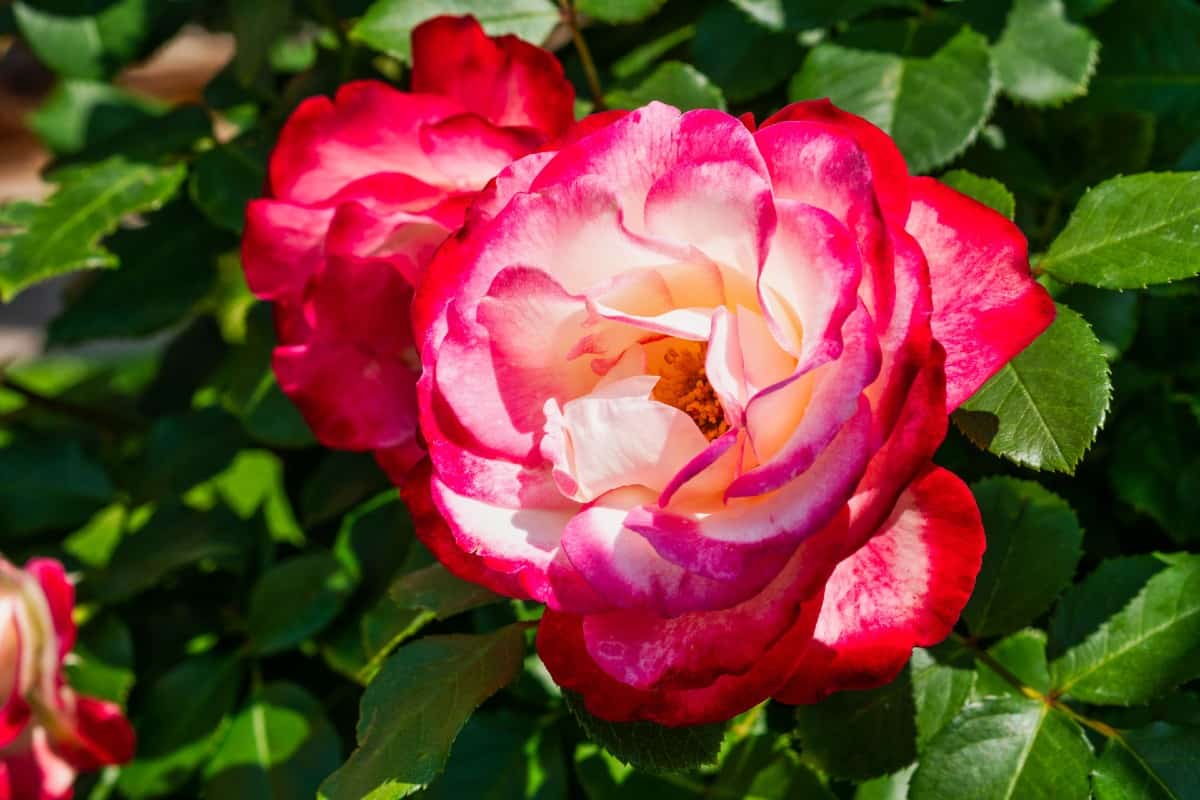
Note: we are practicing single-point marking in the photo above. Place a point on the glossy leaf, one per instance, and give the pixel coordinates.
(296, 599)
(1006, 749)
(388, 24)
(1044, 407)
(278, 747)
(619, 11)
(744, 59)
(990, 192)
(861, 734)
(48, 483)
(674, 83)
(1131, 232)
(1157, 762)
(1042, 58)
(183, 716)
(1148, 647)
(649, 746)
(64, 234)
(933, 107)
(416, 706)
(1033, 545)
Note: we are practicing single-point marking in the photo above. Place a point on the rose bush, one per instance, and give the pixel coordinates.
(48, 733)
(682, 383)
(362, 190)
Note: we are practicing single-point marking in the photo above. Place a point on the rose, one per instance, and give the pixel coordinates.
(362, 190)
(682, 383)
(47, 731)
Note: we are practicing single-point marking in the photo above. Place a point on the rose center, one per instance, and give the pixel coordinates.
(685, 386)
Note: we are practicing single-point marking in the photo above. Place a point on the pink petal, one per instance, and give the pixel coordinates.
(282, 247)
(887, 165)
(745, 540)
(503, 79)
(60, 597)
(366, 129)
(836, 389)
(722, 208)
(986, 305)
(623, 568)
(904, 588)
(618, 436)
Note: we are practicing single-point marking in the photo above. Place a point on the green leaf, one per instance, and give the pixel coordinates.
(279, 747)
(253, 483)
(1157, 762)
(414, 600)
(296, 599)
(1112, 315)
(803, 15)
(48, 483)
(619, 11)
(889, 787)
(1145, 649)
(439, 591)
(248, 387)
(101, 664)
(64, 234)
(1088, 604)
(167, 268)
(227, 177)
(502, 755)
(673, 82)
(989, 191)
(1042, 58)
(1006, 748)
(644, 56)
(415, 707)
(81, 111)
(173, 538)
(933, 107)
(340, 481)
(942, 678)
(375, 542)
(647, 745)
(256, 26)
(1024, 655)
(1130, 232)
(744, 59)
(181, 720)
(1155, 464)
(388, 24)
(182, 450)
(1033, 546)
(763, 767)
(84, 39)
(1043, 408)
(861, 734)
(603, 777)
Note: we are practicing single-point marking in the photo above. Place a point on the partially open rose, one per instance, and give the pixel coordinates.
(47, 731)
(362, 191)
(682, 383)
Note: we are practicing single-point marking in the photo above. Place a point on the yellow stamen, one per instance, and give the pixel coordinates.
(685, 386)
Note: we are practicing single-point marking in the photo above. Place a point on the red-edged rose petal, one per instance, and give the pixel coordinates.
(504, 80)
(986, 305)
(905, 588)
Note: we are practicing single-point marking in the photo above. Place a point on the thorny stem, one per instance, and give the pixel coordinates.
(585, 55)
(1052, 699)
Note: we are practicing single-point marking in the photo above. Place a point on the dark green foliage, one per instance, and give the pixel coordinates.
(263, 608)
